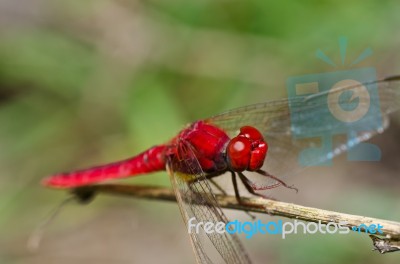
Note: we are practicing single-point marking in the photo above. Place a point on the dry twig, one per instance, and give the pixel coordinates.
(390, 229)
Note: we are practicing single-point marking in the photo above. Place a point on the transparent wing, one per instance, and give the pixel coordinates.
(312, 129)
(196, 200)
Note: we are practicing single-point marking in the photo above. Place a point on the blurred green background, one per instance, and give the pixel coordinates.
(86, 82)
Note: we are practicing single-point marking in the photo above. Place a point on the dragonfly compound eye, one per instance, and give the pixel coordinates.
(247, 151)
(239, 151)
(251, 133)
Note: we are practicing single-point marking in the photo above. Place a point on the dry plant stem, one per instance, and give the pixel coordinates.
(390, 229)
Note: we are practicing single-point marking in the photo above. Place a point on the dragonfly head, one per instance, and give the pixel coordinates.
(247, 150)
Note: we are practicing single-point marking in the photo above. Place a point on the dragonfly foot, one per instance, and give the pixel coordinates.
(279, 182)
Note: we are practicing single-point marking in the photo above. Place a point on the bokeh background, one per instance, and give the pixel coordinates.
(86, 82)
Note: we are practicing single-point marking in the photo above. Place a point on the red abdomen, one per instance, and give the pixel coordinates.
(148, 161)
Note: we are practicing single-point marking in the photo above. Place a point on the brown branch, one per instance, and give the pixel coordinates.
(390, 229)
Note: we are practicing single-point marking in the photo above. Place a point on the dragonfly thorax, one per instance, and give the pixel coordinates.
(207, 144)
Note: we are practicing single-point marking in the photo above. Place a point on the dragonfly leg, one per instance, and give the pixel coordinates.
(237, 195)
(249, 187)
(235, 187)
(234, 182)
(216, 185)
(280, 182)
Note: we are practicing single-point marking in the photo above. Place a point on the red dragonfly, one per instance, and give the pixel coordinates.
(237, 142)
